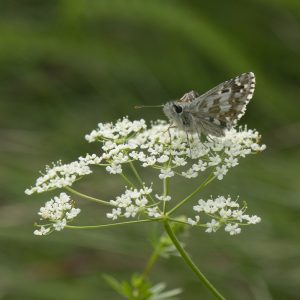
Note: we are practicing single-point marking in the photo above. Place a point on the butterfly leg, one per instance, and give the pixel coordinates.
(199, 136)
(169, 131)
(188, 142)
(209, 138)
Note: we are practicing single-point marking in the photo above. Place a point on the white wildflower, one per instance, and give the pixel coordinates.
(162, 159)
(226, 212)
(62, 175)
(60, 225)
(129, 203)
(212, 226)
(233, 229)
(58, 211)
(114, 169)
(153, 212)
(42, 231)
(220, 172)
(165, 173)
(163, 198)
(116, 212)
(193, 222)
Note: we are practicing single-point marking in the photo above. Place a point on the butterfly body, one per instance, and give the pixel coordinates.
(218, 109)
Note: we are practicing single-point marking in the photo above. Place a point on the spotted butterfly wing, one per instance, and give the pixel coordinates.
(222, 106)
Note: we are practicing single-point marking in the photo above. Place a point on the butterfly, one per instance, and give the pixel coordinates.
(216, 110)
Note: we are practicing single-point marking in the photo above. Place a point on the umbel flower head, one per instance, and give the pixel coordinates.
(57, 213)
(167, 151)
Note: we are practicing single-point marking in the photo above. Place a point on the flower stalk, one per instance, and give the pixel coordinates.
(190, 263)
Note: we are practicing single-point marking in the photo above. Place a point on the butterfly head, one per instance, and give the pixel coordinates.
(174, 111)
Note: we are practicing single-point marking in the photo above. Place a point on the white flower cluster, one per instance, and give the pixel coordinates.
(168, 149)
(132, 202)
(58, 211)
(224, 212)
(61, 175)
(109, 131)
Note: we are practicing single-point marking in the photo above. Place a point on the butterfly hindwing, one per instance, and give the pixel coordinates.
(226, 103)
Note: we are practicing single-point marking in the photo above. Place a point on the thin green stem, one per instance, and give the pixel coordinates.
(88, 197)
(190, 263)
(165, 192)
(127, 180)
(185, 223)
(151, 261)
(140, 180)
(210, 178)
(137, 175)
(109, 225)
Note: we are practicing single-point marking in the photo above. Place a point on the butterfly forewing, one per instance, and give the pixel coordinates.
(226, 103)
(213, 112)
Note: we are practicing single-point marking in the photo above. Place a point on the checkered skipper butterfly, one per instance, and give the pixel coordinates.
(218, 109)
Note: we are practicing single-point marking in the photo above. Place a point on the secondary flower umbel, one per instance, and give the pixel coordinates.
(57, 212)
(223, 211)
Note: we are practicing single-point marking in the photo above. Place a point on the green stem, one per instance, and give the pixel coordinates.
(190, 263)
(127, 180)
(140, 180)
(196, 191)
(137, 175)
(185, 223)
(166, 192)
(88, 197)
(151, 261)
(109, 225)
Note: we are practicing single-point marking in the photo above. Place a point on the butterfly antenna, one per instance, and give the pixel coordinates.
(142, 106)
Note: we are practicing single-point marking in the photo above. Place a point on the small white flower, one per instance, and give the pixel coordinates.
(146, 190)
(42, 231)
(60, 225)
(165, 173)
(116, 212)
(231, 162)
(141, 202)
(114, 169)
(233, 229)
(238, 215)
(252, 219)
(72, 213)
(190, 174)
(162, 159)
(163, 198)
(220, 172)
(193, 222)
(131, 211)
(149, 161)
(214, 160)
(153, 212)
(179, 161)
(225, 213)
(212, 226)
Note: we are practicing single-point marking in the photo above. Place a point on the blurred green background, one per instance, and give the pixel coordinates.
(67, 65)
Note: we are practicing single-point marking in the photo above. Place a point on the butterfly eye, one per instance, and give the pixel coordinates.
(177, 108)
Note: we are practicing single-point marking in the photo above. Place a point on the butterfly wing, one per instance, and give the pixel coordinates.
(226, 103)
